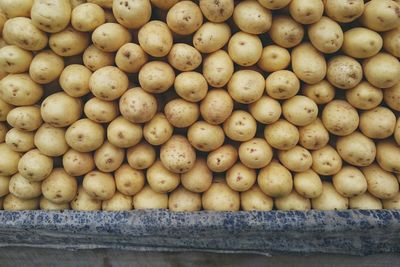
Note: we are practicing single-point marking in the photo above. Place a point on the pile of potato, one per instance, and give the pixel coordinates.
(218, 105)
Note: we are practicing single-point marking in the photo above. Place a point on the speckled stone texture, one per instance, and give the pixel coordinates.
(349, 232)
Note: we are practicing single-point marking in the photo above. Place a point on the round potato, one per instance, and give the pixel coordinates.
(108, 157)
(147, 198)
(35, 166)
(216, 107)
(85, 135)
(158, 130)
(275, 180)
(108, 83)
(132, 14)
(297, 159)
(293, 201)
(382, 70)
(69, 42)
(344, 72)
(397, 132)
(361, 43)
(350, 182)
(365, 201)
(5, 108)
(101, 111)
(51, 16)
(282, 84)
(330, 199)
(16, 8)
(391, 41)
(156, 77)
(245, 49)
(184, 17)
(220, 197)
(246, 86)
(381, 15)
(281, 135)
(184, 57)
(59, 187)
(177, 155)
(54, 106)
(343, 10)
(84, 202)
(378, 123)
(24, 188)
(217, 11)
(381, 183)
(265, 110)
(20, 90)
(308, 63)
(326, 161)
(155, 38)
(218, 68)
(314, 135)
(141, 156)
(274, 58)
(94, 58)
(109, 37)
(340, 118)
(255, 199)
(240, 178)
(20, 141)
(99, 185)
(13, 203)
(164, 4)
(51, 140)
(87, 17)
(14, 59)
(356, 149)
(184, 200)
(181, 113)
(128, 180)
(191, 86)
(326, 35)
(306, 11)
(160, 179)
(77, 163)
(300, 110)
(286, 32)
(211, 37)
(240, 126)
(130, 58)
(46, 204)
(118, 202)
(364, 96)
(391, 96)
(251, 17)
(274, 4)
(392, 203)
(137, 106)
(199, 178)
(321, 93)
(388, 155)
(222, 158)
(199, 136)
(308, 184)
(74, 80)
(255, 153)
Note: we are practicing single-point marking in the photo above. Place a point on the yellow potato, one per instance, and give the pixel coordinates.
(128, 180)
(329, 199)
(69, 42)
(246, 86)
(164, 4)
(382, 70)
(132, 13)
(251, 17)
(286, 32)
(101, 111)
(322, 92)
(274, 4)
(220, 197)
(240, 178)
(87, 17)
(46, 204)
(35, 166)
(158, 130)
(149, 199)
(199, 136)
(356, 149)
(381, 183)
(59, 187)
(108, 157)
(388, 156)
(297, 159)
(108, 83)
(99, 185)
(361, 42)
(160, 179)
(16, 8)
(255, 153)
(51, 141)
(392, 97)
(240, 126)
(77, 163)
(184, 57)
(344, 10)
(211, 37)
(54, 106)
(85, 135)
(245, 49)
(293, 201)
(274, 58)
(222, 158)
(20, 90)
(365, 202)
(275, 180)
(191, 86)
(326, 161)
(255, 199)
(306, 11)
(20, 141)
(378, 123)
(118, 202)
(265, 110)
(137, 106)
(23, 188)
(281, 135)
(218, 68)
(217, 11)
(308, 63)
(155, 38)
(13, 203)
(156, 77)
(181, 113)
(14, 59)
(391, 41)
(5, 108)
(397, 132)
(130, 58)
(141, 156)
(308, 184)
(340, 118)
(199, 178)
(94, 58)
(74, 80)
(84, 202)
(364, 96)
(183, 200)
(392, 203)
(300, 110)
(282, 84)
(326, 35)
(350, 182)
(184, 17)
(216, 107)
(177, 155)
(314, 135)
(381, 15)
(51, 16)
(344, 72)
(109, 37)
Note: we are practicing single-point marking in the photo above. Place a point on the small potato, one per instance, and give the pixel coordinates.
(183, 200)
(240, 178)
(181, 113)
(297, 159)
(101, 111)
(300, 110)
(35, 166)
(282, 84)
(51, 16)
(350, 182)
(102, 3)
(87, 17)
(274, 4)
(265, 110)
(108, 83)
(216, 107)
(164, 4)
(364, 96)
(147, 198)
(118, 202)
(251, 17)
(199, 178)
(132, 14)
(340, 118)
(3, 131)
(54, 106)
(191, 86)
(343, 10)
(306, 11)
(74, 80)
(388, 155)
(160, 179)
(69, 42)
(177, 155)
(155, 38)
(46, 204)
(397, 132)
(141, 156)
(381, 15)
(378, 123)
(14, 59)
(255, 199)
(158, 130)
(365, 201)
(361, 43)
(184, 57)
(381, 183)
(109, 37)
(220, 197)
(326, 161)
(246, 86)
(13, 203)
(24, 188)
(344, 72)
(137, 106)
(330, 199)
(240, 126)
(130, 58)
(217, 11)
(85, 135)
(218, 68)
(211, 37)
(356, 149)
(392, 97)
(20, 90)
(275, 180)
(286, 32)
(99, 185)
(308, 63)
(128, 180)
(274, 58)
(5, 108)
(255, 153)
(51, 140)
(84, 202)
(281, 135)
(314, 135)
(16, 8)
(108, 157)
(293, 201)
(95, 59)
(20, 141)
(59, 187)
(391, 42)
(222, 158)
(326, 35)
(321, 93)
(245, 49)
(156, 77)
(382, 70)
(77, 163)
(392, 203)
(199, 136)
(184, 17)
(308, 184)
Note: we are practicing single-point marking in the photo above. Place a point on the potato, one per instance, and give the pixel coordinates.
(59, 187)
(340, 118)
(240, 126)
(397, 132)
(388, 155)
(160, 179)
(87, 17)
(191, 86)
(26, 118)
(326, 161)
(3, 131)
(281, 135)
(184, 57)
(392, 97)
(177, 155)
(381, 183)
(274, 58)
(282, 84)
(158, 130)
(297, 159)
(54, 106)
(5, 108)
(218, 68)
(20, 90)
(75, 3)
(382, 70)
(147, 198)
(255, 199)
(364, 96)
(314, 135)
(391, 42)
(251, 17)
(51, 16)
(16, 8)
(183, 200)
(109, 37)
(343, 10)
(74, 80)
(350, 182)
(217, 11)
(344, 72)
(77, 163)
(356, 149)
(255, 153)
(293, 201)
(220, 197)
(164, 4)
(181, 113)
(199, 178)
(246, 86)
(102, 3)
(381, 15)
(13, 203)
(14, 59)
(329, 199)
(240, 178)
(308, 64)
(274, 4)
(308, 184)
(216, 107)
(35, 166)
(275, 180)
(108, 83)
(245, 49)
(94, 58)
(51, 140)
(24, 188)
(286, 32)
(130, 58)
(20, 141)
(300, 110)
(306, 11)
(128, 180)
(99, 185)
(84, 202)
(361, 43)
(141, 156)
(156, 77)
(155, 38)
(118, 202)
(137, 106)
(46, 204)
(199, 136)
(326, 35)
(109, 16)
(108, 157)
(265, 110)
(222, 158)
(85, 135)
(392, 203)
(131, 13)
(101, 111)
(69, 42)
(321, 93)
(378, 123)
(365, 201)
(211, 37)
(21, 32)
(184, 17)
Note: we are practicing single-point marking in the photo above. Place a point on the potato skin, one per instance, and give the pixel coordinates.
(329, 199)
(382, 70)
(222, 158)
(59, 187)
(128, 180)
(286, 32)
(216, 107)
(356, 149)
(361, 43)
(306, 11)
(155, 38)
(14, 59)
(343, 10)
(381, 183)
(51, 16)
(132, 14)
(381, 15)
(265, 110)
(391, 42)
(378, 123)
(326, 35)
(364, 96)
(183, 200)
(20, 90)
(177, 155)
(147, 198)
(388, 156)
(87, 17)
(13, 203)
(26, 118)
(255, 199)
(326, 161)
(211, 37)
(365, 202)
(281, 135)
(314, 135)
(217, 11)
(240, 178)
(350, 182)
(218, 68)
(292, 201)
(199, 178)
(275, 180)
(251, 17)
(184, 17)
(308, 184)
(340, 118)
(344, 72)
(199, 136)
(392, 97)
(220, 197)
(308, 63)
(35, 166)
(160, 179)
(255, 153)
